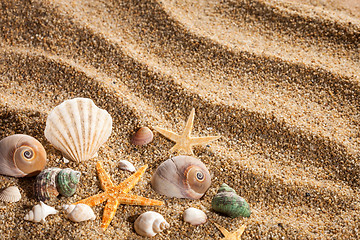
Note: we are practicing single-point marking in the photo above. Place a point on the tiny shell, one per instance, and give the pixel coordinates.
(78, 128)
(54, 181)
(21, 156)
(226, 201)
(194, 216)
(181, 177)
(150, 223)
(126, 165)
(79, 212)
(10, 194)
(143, 136)
(39, 212)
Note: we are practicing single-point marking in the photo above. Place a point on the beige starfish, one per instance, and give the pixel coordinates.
(184, 142)
(231, 235)
(115, 195)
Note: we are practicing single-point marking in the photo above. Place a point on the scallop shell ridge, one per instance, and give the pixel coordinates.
(78, 128)
(10, 194)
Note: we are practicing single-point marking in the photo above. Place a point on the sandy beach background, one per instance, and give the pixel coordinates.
(278, 80)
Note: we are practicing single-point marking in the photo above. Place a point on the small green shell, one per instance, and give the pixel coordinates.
(66, 181)
(226, 201)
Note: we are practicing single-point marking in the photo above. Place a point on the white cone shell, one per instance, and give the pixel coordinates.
(150, 223)
(78, 128)
(79, 212)
(194, 216)
(39, 212)
(10, 194)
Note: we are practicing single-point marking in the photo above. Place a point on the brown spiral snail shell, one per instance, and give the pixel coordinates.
(21, 156)
(181, 177)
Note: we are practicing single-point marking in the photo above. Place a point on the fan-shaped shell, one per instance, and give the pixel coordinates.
(142, 137)
(79, 212)
(10, 194)
(181, 177)
(54, 181)
(39, 212)
(150, 223)
(226, 201)
(21, 155)
(78, 128)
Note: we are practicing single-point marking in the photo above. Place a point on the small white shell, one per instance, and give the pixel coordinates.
(79, 212)
(126, 165)
(150, 223)
(194, 216)
(39, 212)
(10, 194)
(78, 128)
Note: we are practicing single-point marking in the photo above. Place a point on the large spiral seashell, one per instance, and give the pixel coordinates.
(79, 212)
(78, 128)
(39, 212)
(150, 223)
(181, 177)
(21, 156)
(54, 181)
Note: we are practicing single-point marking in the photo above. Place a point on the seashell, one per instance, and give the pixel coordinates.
(39, 212)
(194, 216)
(226, 201)
(78, 128)
(126, 165)
(142, 137)
(181, 177)
(10, 194)
(54, 181)
(150, 223)
(79, 212)
(21, 156)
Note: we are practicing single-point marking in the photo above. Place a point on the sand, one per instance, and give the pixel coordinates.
(278, 80)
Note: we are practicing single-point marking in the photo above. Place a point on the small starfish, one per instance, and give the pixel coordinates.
(115, 195)
(231, 235)
(184, 142)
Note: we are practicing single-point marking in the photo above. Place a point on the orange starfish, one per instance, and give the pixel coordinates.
(115, 195)
(184, 141)
(231, 235)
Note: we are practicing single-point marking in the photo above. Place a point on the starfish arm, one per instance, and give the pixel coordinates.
(202, 140)
(109, 212)
(94, 200)
(225, 232)
(240, 231)
(105, 180)
(168, 134)
(189, 124)
(129, 183)
(185, 149)
(138, 200)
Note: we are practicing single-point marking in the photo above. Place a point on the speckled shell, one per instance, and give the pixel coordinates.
(39, 212)
(54, 181)
(181, 177)
(78, 128)
(10, 194)
(194, 216)
(226, 201)
(142, 137)
(150, 223)
(21, 156)
(79, 212)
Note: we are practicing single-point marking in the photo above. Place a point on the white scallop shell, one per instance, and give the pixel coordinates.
(79, 212)
(194, 216)
(39, 212)
(10, 194)
(78, 128)
(126, 165)
(150, 223)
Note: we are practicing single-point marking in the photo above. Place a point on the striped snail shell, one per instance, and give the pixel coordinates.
(21, 156)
